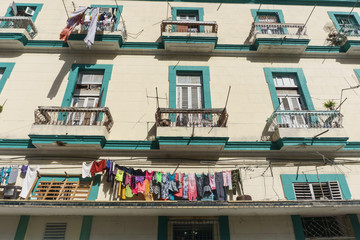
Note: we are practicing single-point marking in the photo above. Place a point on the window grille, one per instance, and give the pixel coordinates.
(193, 229)
(338, 227)
(54, 231)
(62, 190)
(318, 191)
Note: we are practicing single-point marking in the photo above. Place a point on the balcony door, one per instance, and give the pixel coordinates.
(86, 95)
(270, 19)
(290, 99)
(187, 17)
(189, 96)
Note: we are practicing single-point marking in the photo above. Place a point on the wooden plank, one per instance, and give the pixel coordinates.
(62, 189)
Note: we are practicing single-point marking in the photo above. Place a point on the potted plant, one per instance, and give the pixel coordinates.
(330, 104)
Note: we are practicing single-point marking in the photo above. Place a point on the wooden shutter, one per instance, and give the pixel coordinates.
(318, 191)
(54, 231)
(302, 191)
(335, 190)
(62, 190)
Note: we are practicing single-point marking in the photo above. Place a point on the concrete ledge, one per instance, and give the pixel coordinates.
(308, 133)
(191, 132)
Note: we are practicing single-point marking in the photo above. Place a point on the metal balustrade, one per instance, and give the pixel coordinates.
(188, 26)
(168, 117)
(74, 116)
(353, 31)
(305, 119)
(19, 22)
(297, 29)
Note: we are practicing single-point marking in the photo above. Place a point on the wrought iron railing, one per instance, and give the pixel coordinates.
(74, 116)
(304, 119)
(278, 29)
(188, 26)
(353, 31)
(169, 117)
(19, 22)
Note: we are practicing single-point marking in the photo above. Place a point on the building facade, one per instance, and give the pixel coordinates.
(249, 107)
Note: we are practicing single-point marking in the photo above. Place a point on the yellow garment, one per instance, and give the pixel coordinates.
(119, 175)
(147, 194)
(120, 187)
(128, 192)
(123, 193)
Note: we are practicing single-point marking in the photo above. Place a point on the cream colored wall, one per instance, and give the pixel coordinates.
(8, 226)
(264, 227)
(40, 80)
(37, 225)
(143, 23)
(126, 227)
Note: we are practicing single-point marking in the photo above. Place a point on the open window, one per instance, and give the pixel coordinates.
(346, 23)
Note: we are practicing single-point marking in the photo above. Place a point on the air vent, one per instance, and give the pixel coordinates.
(54, 231)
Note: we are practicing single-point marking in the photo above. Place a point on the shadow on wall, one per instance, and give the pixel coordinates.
(68, 62)
(151, 135)
(273, 59)
(181, 58)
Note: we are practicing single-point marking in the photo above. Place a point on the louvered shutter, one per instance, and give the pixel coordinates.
(302, 191)
(335, 190)
(318, 191)
(54, 231)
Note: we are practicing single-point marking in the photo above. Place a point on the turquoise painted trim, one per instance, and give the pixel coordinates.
(118, 13)
(350, 44)
(337, 25)
(181, 141)
(46, 44)
(37, 7)
(279, 13)
(86, 227)
(6, 68)
(288, 179)
(355, 225)
(357, 73)
(143, 45)
(302, 85)
(176, 10)
(224, 227)
(73, 77)
(68, 139)
(298, 227)
(16, 143)
(162, 228)
(98, 38)
(205, 73)
(324, 141)
(250, 146)
(190, 39)
(233, 47)
(95, 188)
(22, 227)
(324, 49)
(133, 145)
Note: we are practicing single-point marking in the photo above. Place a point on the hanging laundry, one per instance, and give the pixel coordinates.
(185, 186)
(165, 187)
(179, 179)
(192, 191)
(235, 179)
(29, 181)
(98, 167)
(90, 37)
(73, 21)
(24, 170)
(86, 169)
(225, 179)
(228, 174)
(13, 174)
(220, 189)
(212, 181)
(199, 187)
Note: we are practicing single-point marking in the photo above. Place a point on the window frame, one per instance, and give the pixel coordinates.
(332, 16)
(118, 13)
(277, 12)
(205, 76)
(288, 180)
(176, 10)
(326, 185)
(75, 71)
(7, 68)
(37, 6)
(303, 89)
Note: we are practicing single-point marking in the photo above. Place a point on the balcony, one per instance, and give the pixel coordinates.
(304, 130)
(189, 36)
(349, 37)
(71, 127)
(194, 128)
(286, 38)
(109, 36)
(15, 32)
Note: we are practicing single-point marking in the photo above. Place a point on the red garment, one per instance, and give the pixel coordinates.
(98, 167)
(65, 33)
(179, 177)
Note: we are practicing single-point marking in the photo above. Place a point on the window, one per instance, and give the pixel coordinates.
(55, 230)
(288, 90)
(346, 23)
(270, 18)
(5, 70)
(24, 9)
(193, 228)
(327, 227)
(307, 186)
(112, 19)
(65, 188)
(189, 91)
(187, 14)
(317, 191)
